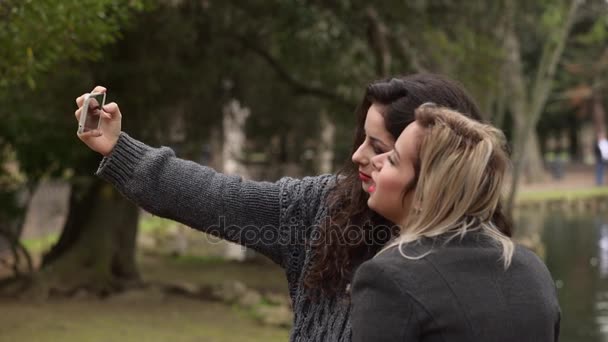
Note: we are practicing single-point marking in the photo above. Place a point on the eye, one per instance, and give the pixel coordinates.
(377, 150)
(390, 160)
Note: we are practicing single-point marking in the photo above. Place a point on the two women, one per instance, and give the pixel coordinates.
(291, 221)
(450, 275)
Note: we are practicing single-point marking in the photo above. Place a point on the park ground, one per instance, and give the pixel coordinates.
(149, 314)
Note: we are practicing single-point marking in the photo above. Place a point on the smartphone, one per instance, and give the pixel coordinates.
(90, 117)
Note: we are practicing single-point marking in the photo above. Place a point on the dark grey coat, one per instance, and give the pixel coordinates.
(459, 292)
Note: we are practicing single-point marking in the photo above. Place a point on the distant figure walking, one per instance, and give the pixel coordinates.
(601, 156)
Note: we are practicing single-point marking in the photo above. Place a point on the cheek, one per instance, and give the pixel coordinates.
(391, 191)
(388, 199)
(392, 180)
(391, 185)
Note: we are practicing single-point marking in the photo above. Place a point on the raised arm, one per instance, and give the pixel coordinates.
(240, 211)
(246, 212)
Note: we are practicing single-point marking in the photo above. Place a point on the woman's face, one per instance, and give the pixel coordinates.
(393, 173)
(377, 141)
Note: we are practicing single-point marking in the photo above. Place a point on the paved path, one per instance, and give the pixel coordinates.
(575, 177)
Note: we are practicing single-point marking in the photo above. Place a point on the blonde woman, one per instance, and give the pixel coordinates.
(450, 275)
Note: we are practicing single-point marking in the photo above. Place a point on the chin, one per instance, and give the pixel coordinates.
(370, 204)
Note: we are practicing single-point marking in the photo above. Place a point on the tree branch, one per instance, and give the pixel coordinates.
(407, 51)
(377, 36)
(298, 86)
(546, 71)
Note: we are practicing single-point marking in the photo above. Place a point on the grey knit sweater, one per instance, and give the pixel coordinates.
(274, 219)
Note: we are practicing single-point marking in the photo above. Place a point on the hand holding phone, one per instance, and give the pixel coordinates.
(99, 124)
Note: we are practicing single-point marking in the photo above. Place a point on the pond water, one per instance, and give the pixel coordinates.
(575, 249)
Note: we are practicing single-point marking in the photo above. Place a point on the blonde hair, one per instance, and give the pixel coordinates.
(463, 165)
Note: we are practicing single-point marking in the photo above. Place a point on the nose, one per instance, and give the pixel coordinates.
(359, 157)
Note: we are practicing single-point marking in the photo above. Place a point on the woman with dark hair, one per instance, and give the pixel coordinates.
(319, 229)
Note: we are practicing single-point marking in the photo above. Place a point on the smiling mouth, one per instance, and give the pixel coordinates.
(372, 184)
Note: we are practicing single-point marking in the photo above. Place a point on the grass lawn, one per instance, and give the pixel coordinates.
(170, 319)
(150, 315)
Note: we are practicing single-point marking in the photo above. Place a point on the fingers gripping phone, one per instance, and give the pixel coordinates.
(90, 117)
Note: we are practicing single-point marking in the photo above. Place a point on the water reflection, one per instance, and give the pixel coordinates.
(575, 248)
(601, 303)
(602, 244)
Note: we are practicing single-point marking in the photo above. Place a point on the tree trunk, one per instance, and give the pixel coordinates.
(598, 116)
(534, 171)
(531, 158)
(530, 101)
(216, 148)
(234, 120)
(325, 151)
(377, 37)
(96, 249)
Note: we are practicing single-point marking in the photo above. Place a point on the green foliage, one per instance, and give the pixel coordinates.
(598, 34)
(36, 35)
(169, 67)
(45, 44)
(39, 245)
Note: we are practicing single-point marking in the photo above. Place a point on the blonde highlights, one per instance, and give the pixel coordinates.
(463, 165)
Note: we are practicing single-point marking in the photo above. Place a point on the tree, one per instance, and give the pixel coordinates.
(38, 35)
(528, 99)
(96, 250)
(39, 39)
(581, 87)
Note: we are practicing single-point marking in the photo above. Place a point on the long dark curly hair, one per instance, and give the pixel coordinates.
(352, 233)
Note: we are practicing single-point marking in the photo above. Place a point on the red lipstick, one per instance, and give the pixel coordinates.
(364, 178)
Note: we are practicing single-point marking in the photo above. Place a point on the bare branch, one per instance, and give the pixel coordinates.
(409, 52)
(298, 86)
(380, 37)
(546, 71)
(377, 36)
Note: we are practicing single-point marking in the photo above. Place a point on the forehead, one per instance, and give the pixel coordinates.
(374, 121)
(409, 140)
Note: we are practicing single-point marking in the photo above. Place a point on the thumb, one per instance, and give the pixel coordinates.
(113, 110)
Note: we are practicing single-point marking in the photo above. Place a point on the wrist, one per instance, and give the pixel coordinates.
(113, 144)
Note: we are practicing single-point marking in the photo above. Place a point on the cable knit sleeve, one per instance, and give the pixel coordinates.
(237, 210)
